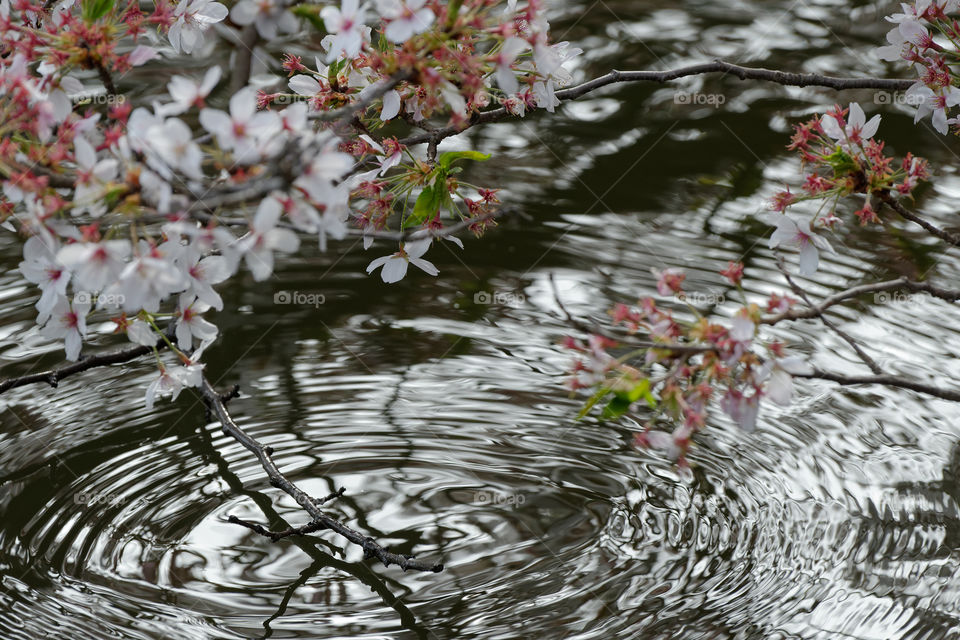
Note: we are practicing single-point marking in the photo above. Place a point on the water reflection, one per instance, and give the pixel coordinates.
(446, 420)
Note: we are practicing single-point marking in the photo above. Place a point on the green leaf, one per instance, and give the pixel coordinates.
(640, 390)
(449, 157)
(592, 402)
(333, 71)
(93, 10)
(453, 9)
(615, 408)
(311, 13)
(841, 162)
(427, 204)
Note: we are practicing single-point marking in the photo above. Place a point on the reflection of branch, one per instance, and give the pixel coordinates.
(950, 295)
(717, 66)
(320, 519)
(944, 235)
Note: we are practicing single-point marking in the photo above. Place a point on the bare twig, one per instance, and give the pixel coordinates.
(943, 234)
(883, 379)
(950, 295)
(321, 520)
(717, 66)
(54, 376)
(846, 337)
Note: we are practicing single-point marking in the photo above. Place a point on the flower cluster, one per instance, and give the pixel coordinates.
(666, 371)
(845, 159)
(123, 207)
(915, 39)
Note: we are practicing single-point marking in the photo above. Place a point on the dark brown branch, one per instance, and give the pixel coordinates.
(54, 376)
(950, 295)
(278, 535)
(944, 235)
(371, 548)
(846, 337)
(717, 66)
(884, 379)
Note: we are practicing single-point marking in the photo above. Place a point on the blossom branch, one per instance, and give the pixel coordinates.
(320, 519)
(717, 66)
(53, 376)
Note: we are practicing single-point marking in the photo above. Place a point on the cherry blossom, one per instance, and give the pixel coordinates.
(171, 382)
(347, 26)
(188, 93)
(69, 322)
(395, 265)
(191, 19)
(265, 238)
(40, 266)
(191, 324)
(269, 16)
(857, 130)
(243, 130)
(780, 381)
(203, 272)
(406, 18)
(93, 177)
(94, 264)
(791, 233)
(933, 102)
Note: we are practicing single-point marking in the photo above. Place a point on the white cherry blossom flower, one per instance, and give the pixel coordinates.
(187, 93)
(743, 409)
(40, 266)
(780, 381)
(94, 264)
(243, 130)
(264, 238)
(93, 177)
(346, 24)
(406, 18)
(202, 273)
(857, 130)
(139, 332)
(190, 322)
(191, 19)
(395, 266)
(69, 323)
(270, 17)
(506, 78)
(144, 283)
(790, 233)
(936, 103)
(172, 380)
(173, 143)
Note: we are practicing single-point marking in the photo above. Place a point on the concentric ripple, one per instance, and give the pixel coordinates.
(446, 420)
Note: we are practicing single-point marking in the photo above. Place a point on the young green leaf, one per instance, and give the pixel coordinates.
(449, 157)
(93, 10)
(427, 204)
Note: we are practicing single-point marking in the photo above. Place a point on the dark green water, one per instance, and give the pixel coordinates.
(447, 422)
